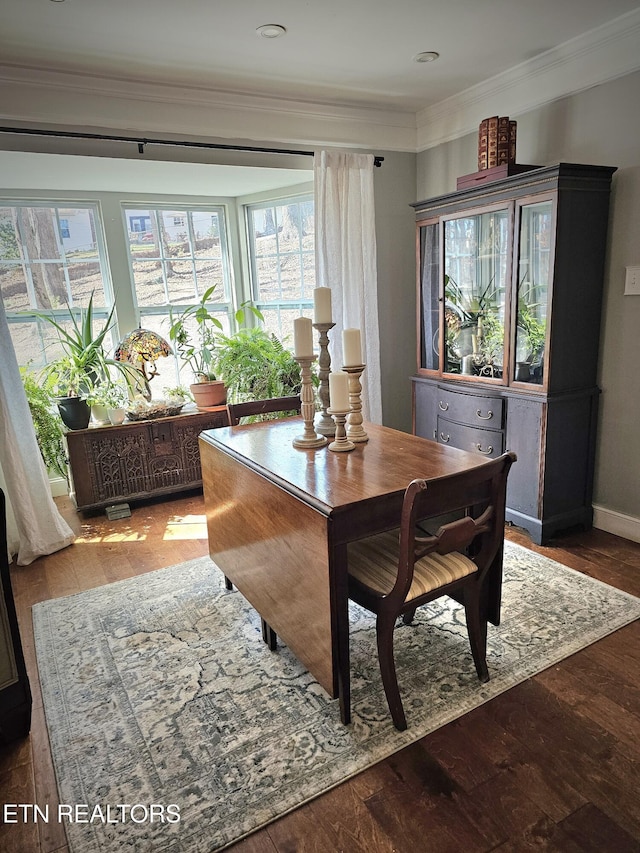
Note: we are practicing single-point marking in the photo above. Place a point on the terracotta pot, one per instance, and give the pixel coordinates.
(208, 394)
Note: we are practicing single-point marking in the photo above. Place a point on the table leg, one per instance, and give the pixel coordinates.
(340, 603)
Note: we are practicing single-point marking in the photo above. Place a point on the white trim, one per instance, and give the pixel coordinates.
(59, 487)
(615, 522)
(64, 99)
(593, 58)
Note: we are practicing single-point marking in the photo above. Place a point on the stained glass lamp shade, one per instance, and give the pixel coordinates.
(142, 348)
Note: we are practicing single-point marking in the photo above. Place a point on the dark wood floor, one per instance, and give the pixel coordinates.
(553, 764)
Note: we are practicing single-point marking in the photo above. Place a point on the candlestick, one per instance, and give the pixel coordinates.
(326, 425)
(309, 438)
(355, 430)
(302, 337)
(322, 305)
(351, 347)
(341, 442)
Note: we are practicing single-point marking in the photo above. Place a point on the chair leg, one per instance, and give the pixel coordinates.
(269, 635)
(409, 616)
(477, 630)
(384, 634)
(227, 583)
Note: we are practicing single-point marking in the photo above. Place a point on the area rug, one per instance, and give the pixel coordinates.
(173, 728)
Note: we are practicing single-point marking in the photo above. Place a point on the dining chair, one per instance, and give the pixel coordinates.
(263, 407)
(391, 574)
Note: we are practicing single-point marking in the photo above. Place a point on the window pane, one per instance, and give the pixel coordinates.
(50, 258)
(13, 287)
(190, 254)
(282, 248)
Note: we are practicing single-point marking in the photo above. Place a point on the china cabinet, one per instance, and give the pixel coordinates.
(509, 292)
(138, 459)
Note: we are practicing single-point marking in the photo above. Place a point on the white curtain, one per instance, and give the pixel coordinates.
(35, 527)
(346, 260)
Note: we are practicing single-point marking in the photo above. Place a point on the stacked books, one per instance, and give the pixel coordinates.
(496, 142)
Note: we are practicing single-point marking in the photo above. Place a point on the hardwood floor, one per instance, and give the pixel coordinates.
(553, 764)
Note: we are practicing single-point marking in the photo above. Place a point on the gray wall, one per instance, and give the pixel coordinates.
(394, 186)
(599, 126)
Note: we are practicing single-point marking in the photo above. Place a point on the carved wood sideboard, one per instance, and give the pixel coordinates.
(138, 459)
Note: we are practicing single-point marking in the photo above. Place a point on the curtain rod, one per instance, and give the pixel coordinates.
(141, 142)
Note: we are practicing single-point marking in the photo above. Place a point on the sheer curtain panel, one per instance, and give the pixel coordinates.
(35, 527)
(346, 260)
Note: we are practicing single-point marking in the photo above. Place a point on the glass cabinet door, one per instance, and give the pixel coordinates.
(476, 274)
(534, 271)
(429, 290)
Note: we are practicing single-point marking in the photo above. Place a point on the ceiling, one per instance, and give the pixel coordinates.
(353, 53)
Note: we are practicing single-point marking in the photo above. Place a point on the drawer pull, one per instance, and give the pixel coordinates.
(442, 406)
(487, 452)
(444, 438)
(486, 417)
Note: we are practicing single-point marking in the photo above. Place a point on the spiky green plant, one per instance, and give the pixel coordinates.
(85, 363)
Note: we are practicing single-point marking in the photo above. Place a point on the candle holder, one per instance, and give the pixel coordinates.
(309, 438)
(341, 443)
(355, 430)
(325, 425)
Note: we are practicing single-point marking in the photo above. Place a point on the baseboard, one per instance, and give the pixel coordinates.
(615, 522)
(59, 486)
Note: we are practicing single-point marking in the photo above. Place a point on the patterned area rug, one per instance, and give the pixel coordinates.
(173, 727)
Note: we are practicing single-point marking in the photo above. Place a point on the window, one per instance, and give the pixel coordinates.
(51, 257)
(282, 254)
(175, 256)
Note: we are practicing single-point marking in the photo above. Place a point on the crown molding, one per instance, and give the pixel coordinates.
(52, 97)
(35, 95)
(593, 58)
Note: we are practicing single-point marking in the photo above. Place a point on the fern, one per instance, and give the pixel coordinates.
(256, 366)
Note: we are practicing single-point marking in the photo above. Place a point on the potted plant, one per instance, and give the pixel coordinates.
(84, 364)
(48, 429)
(195, 333)
(109, 402)
(257, 366)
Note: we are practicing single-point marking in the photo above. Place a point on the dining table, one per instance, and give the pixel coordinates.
(280, 517)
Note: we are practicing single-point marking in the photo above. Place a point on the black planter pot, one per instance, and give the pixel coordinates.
(75, 412)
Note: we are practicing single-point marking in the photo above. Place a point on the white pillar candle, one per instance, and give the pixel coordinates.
(339, 391)
(351, 347)
(303, 337)
(322, 305)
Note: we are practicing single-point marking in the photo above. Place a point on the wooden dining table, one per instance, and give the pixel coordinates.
(279, 519)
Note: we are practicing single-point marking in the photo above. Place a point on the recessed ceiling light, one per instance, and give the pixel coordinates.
(271, 31)
(426, 56)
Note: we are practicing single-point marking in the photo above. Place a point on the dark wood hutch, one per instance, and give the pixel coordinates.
(509, 292)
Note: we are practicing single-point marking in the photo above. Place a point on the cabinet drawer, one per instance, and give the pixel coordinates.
(471, 409)
(489, 442)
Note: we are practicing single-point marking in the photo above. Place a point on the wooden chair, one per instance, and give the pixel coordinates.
(393, 573)
(263, 407)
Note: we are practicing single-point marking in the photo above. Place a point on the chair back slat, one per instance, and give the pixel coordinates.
(263, 407)
(479, 492)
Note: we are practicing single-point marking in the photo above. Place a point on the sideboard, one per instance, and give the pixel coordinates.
(138, 459)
